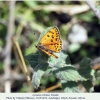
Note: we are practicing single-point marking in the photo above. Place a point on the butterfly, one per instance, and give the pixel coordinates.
(50, 42)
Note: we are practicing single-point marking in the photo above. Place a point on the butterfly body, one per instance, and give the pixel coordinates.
(51, 42)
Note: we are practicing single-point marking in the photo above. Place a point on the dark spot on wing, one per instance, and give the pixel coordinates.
(51, 32)
(56, 39)
(51, 40)
(48, 35)
(52, 36)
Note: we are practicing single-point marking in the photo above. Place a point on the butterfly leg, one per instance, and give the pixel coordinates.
(48, 52)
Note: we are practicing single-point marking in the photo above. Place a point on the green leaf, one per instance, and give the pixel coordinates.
(39, 64)
(39, 70)
(62, 68)
(70, 86)
(31, 49)
(30, 4)
(97, 74)
(92, 41)
(63, 59)
(88, 85)
(44, 82)
(33, 59)
(66, 73)
(1, 43)
(98, 8)
(74, 47)
(48, 71)
(36, 58)
(85, 69)
(87, 16)
(97, 77)
(52, 79)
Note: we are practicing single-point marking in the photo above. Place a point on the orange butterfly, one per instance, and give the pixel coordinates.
(51, 42)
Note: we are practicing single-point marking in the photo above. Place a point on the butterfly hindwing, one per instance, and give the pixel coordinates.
(48, 53)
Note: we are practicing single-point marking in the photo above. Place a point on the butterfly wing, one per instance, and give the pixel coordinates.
(48, 53)
(51, 40)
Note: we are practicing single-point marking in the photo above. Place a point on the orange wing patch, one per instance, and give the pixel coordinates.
(50, 42)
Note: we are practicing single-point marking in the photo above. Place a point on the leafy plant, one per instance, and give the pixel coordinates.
(62, 69)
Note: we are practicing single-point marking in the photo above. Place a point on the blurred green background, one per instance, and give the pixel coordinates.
(78, 25)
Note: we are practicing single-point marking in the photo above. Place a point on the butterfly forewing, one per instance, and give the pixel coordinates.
(50, 42)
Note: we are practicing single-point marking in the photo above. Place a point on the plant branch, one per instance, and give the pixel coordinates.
(50, 88)
(92, 6)
(21, 62)
(8, 47)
